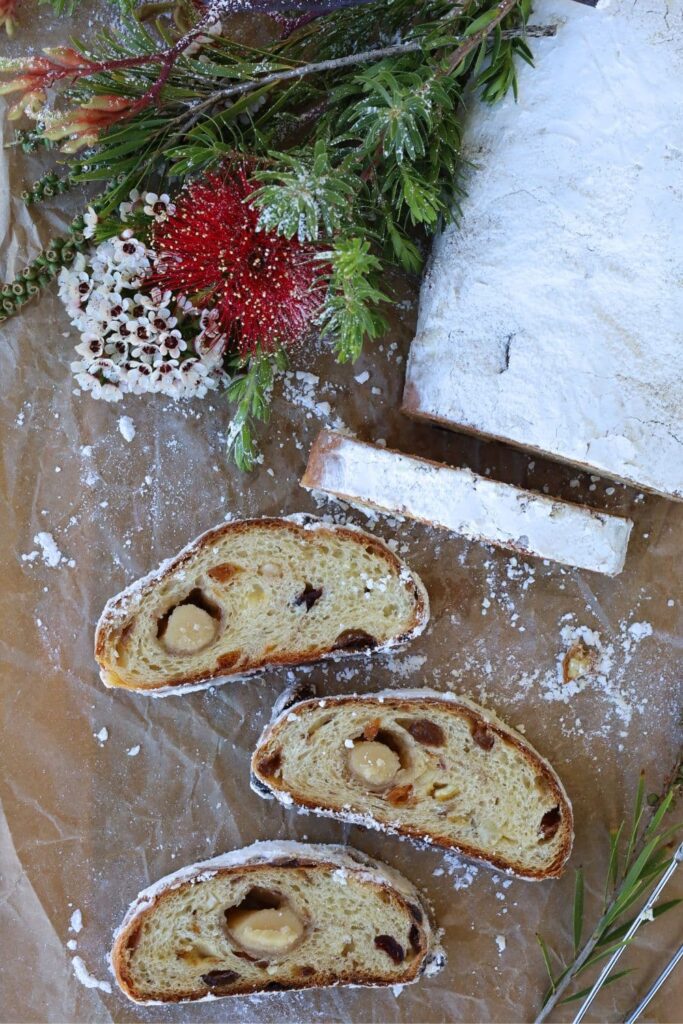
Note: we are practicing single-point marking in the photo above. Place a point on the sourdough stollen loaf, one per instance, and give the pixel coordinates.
(423, 764)
(257, 593)
(270, 917)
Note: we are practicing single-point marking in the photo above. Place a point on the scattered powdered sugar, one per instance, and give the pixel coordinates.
(301, 389)
(49, 551)
(72, 944)
(501, 943)
(462, 872)
(133, 751)
(639, 630)
(86, 979)
(76, 921)
(102, 736)
(126, 428)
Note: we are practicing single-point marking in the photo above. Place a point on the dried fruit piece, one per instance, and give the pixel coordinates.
(216, 979)
(399, 794)
(270, 765)
(426, 732)
(371, 729)
(482, 736)
(391, 947)
(354, 640)
(580, 660)
(308, 596)
(223, 573)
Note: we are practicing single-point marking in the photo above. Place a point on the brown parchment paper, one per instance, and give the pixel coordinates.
(85, 822)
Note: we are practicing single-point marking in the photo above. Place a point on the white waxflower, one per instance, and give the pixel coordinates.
(91, 220)
(171, 343)
(159, 207)
(126, 208)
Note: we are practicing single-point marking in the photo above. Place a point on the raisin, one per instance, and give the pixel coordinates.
(216, 979)
(306, 971)
(391, 947)
(550, 822)
(482, 736)
(354, 640)
(270, 765)
(223, 573)
(308, 596)
(428, 733)
(414, 937)
(416, 912)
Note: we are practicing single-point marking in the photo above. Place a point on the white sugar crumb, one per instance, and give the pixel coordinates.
(501, 943)
(49, 551)
(362, 377)
(72, 944)
(86, 979)
(348, 743)
(126, 428)
(76, 921)
(103, 735)
(639, 630)
(460, 871)
(133, 751)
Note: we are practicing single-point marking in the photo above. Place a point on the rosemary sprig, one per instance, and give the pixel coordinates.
(630, 875)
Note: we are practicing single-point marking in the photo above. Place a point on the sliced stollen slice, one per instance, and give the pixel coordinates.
(270, 917)
(257, 593)
(428, 765)
(474, 506)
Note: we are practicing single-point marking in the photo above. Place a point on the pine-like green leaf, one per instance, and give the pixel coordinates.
(545, 952)
(584, 991)
(578, 909)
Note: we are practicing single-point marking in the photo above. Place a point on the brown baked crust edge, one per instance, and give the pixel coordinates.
(110, 625)
(530, 755)
(418, 915)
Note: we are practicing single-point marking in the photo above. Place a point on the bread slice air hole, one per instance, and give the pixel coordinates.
(550, 823)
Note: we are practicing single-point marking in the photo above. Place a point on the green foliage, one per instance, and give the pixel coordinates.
(631, 874)
(59, 252)
(68, 7)
(250, 390)
(51, 184)
(306, 196)
(362, 158)
(350, 313)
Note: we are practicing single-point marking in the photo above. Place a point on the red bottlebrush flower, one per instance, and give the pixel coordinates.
(266, 288)
(83, 124)
(8, 15)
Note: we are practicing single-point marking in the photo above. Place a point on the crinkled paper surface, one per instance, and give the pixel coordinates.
(102, 792)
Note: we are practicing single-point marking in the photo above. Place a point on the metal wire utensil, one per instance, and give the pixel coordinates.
(655, 987)
(644, 915)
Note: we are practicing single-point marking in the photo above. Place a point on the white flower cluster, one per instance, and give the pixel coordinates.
(130, 341)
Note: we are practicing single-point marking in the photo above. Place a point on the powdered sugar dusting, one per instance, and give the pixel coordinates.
(86, 979)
